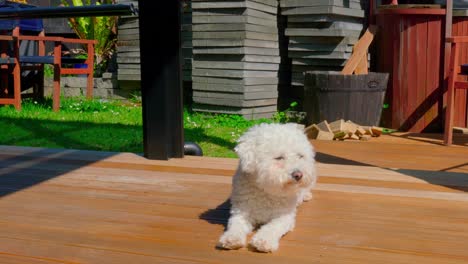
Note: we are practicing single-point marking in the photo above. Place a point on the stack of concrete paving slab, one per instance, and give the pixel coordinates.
(187, 40)
(187, 52)
(321, 35)
(236, 57)
(128, 51)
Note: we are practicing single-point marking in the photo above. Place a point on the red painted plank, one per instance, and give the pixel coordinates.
(434, 84)
(384, 51)
(459, 100)
(422, 72)
(412, 11)
(461, 86)
(411, 48)
(461, 60)
(405, 81)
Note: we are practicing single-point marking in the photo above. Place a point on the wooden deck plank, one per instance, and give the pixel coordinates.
(15, 259)
(391, 201)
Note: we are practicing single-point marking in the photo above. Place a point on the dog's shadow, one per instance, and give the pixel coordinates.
(218, 215)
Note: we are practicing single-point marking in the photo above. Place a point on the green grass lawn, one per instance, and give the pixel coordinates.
(109, 126)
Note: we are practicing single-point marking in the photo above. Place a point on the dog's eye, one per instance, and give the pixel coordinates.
(279, 158)
(300, 156)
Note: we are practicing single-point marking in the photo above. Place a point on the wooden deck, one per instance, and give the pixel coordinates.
(390, 200)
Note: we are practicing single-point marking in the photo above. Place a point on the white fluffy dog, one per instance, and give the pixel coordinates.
(275, 174)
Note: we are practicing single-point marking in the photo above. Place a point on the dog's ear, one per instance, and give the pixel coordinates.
(245, 151)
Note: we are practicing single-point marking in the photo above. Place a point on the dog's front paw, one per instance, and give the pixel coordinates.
(231, 241)
(307, 196)
(264, 244)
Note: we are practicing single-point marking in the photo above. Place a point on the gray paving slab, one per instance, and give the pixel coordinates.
(341, 3)
(322, 32)
(335, 10)
(234, 43)
(237, 96)
(302, 69)
(266, 2)
(234, 19)
(233, 88)
(187, 45)
(186, 27)
(237, 51)
(235, 81)
(234, 102)
(250, 113)
(235, 65)
(234, 27)
(234, 73)
(319, 47)
(127, 56)
(319, 55)
(323, 18)
(186, 19)
(460, 12)
(128, 48)
(236, 35)
(129, 23)
(319, 62)
(129, 66)
(234, 11)
(196, 5)
(185, 36)
(129, 31)
(349, 40)
(327, 25)
(187, 53)
(234, 58)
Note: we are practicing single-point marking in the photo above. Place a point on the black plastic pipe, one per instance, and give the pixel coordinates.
(192, 149)
(69, 11)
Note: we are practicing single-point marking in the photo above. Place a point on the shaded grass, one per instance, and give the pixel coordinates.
(109, 126)
(80, 124)
(216, 133)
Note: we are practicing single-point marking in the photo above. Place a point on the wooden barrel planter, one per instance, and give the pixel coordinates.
(331, 96)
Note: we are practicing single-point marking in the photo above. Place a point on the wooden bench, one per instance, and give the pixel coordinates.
(456, 81)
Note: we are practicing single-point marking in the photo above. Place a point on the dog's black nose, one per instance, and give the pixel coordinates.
(297, 175)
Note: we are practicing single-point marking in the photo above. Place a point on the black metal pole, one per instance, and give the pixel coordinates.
(161, 83)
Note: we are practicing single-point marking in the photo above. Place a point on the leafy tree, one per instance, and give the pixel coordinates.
(102, 29)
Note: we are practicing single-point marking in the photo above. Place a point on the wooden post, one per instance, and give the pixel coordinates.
(448, 133)
(57, 73)
(90, 74)
(161, 83)
(446, 74)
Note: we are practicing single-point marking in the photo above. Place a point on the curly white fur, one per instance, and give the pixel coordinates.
(276, 173)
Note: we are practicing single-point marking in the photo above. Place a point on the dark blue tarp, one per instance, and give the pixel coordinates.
(24, 24)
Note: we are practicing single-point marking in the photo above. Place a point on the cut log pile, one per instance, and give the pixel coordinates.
(342, 130)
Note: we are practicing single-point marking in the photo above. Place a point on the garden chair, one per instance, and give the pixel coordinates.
(62, 65)
(9, 66)
(31, 31)
(456, 81)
